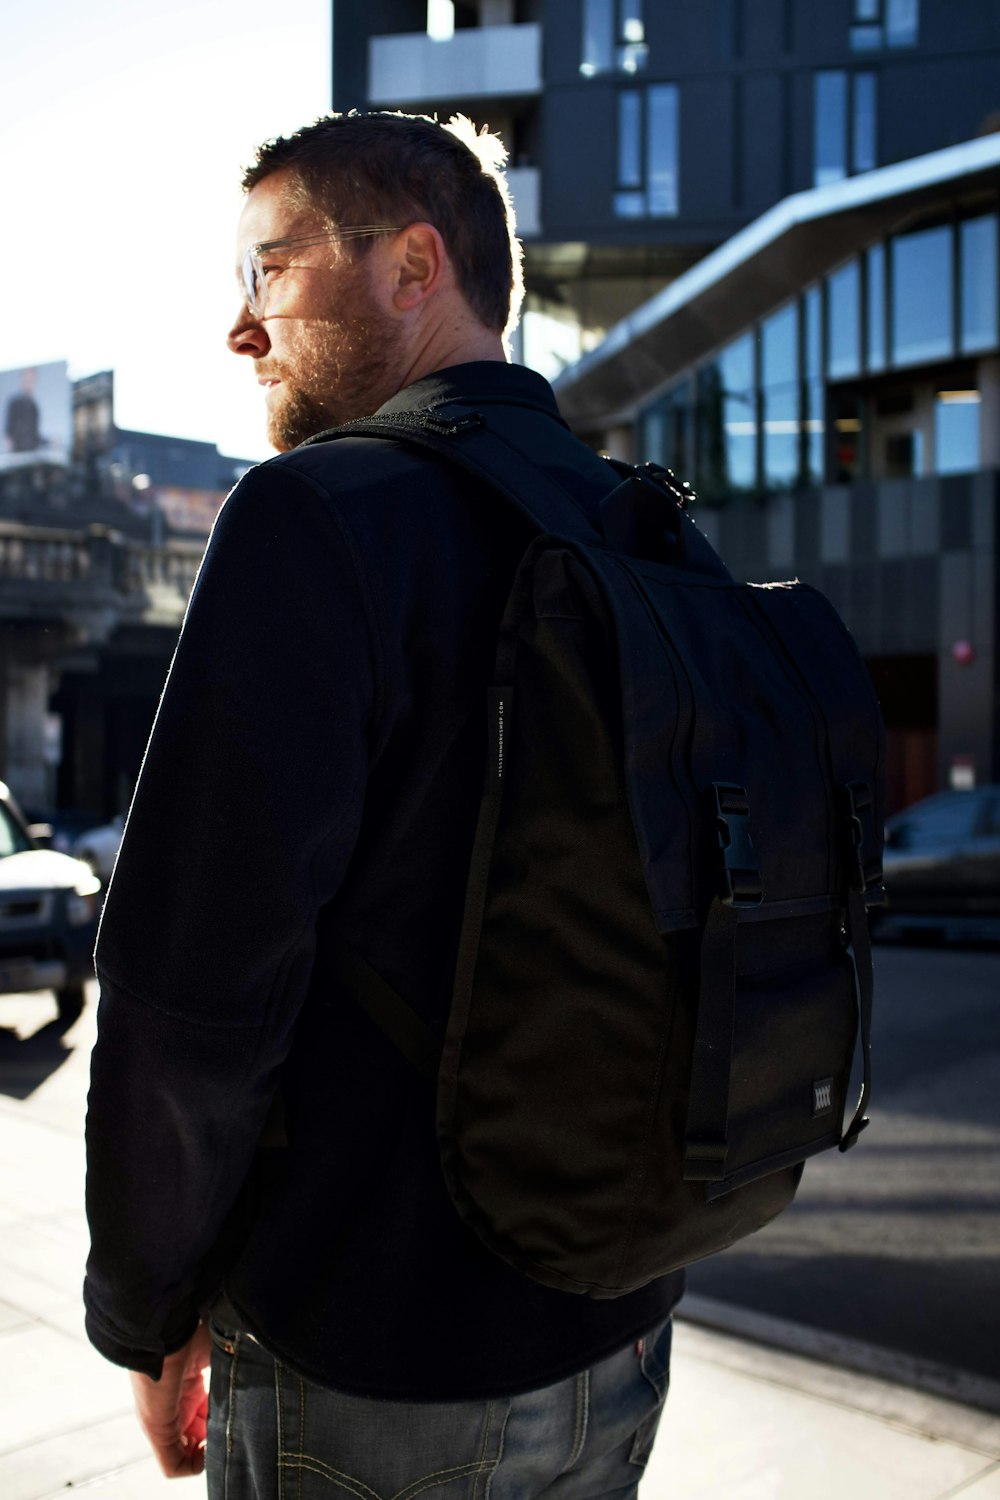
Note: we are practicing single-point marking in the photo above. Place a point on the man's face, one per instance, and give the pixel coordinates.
(324, 348)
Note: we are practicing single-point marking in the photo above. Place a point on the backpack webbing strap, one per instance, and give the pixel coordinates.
(708, 1108)
(861, 947)
(489, 457)
(399, 1022)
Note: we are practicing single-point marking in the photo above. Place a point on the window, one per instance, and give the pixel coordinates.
(780, 393)
(813, 387)
(875, 319)
(845, 125)
(648, 149)
(884, 23)
(843, 322)
(978, 284)
(922, 296)
(12, 840)
(614, 36)
(666, 430)
(956, 431)
(727, 409)
(864, 118)
(902, 20)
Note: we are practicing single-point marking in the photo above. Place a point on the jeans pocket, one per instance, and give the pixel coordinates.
(654, 1370)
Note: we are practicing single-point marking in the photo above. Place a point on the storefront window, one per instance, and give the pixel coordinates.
(956, 431)
(666, 429)
(727, 413)
(876, 308)
(781, 397)
(843, 322)
(813, 388)
(922, 296)
(978, 261)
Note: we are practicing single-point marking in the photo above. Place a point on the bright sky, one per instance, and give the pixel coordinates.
(123, 128)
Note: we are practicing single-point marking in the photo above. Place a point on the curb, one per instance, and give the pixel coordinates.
(818, 1344)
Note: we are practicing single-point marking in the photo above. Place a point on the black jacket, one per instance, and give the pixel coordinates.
(315, 767)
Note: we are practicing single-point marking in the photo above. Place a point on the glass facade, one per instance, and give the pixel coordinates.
(814, 389)
(727, 421)
(922, 296)
(667, 430)
(781, 397)
(956, 431)
(784, 404)
(875, 306)
(843, 322)
(978, 284)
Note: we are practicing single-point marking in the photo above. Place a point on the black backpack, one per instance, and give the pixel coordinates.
(664, 963)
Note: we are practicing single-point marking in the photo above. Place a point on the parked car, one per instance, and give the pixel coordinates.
(98, 847)
(942, 864)
(49, 907)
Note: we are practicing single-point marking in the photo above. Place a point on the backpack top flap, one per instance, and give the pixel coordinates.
(759, 686)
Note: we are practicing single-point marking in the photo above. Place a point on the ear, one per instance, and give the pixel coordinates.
(420, 263)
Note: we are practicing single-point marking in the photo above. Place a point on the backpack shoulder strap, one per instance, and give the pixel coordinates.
(464, 438)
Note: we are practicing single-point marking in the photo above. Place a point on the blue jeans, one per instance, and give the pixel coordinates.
(274, 1436)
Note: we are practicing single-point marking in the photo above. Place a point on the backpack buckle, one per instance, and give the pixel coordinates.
(741, 882)
(864, 867)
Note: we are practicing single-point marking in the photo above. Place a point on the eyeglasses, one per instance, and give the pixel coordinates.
(252, 270)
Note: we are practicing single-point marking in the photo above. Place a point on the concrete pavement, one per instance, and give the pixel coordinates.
(743, 1421)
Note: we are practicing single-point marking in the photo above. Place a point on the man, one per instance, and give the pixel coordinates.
(256, 1146)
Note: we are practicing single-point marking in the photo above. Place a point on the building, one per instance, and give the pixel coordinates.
(762, 236)
(830, 380)
(645, 133)
(99, 545)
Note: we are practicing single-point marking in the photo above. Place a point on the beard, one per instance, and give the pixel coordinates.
(335, 369)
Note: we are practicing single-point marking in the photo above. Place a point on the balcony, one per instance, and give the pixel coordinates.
(485, 62)
(526, 192)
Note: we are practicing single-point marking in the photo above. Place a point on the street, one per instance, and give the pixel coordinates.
(898, 1241)
(895, 1243)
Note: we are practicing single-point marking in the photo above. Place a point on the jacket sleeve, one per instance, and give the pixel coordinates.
(243, 821)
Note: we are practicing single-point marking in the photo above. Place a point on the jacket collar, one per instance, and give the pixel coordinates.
(477, 384)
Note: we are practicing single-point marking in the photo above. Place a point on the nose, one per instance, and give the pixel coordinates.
(248, 335)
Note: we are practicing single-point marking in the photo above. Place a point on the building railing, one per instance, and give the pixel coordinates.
(477, 62)
(57, 573)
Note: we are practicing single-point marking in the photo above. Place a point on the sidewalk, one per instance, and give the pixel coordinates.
(742, 1421)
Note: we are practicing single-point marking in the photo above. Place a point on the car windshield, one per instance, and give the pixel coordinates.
(13, 839)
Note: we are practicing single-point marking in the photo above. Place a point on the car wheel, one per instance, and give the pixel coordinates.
(70, 1000)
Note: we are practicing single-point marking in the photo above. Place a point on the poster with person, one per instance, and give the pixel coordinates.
(35, 414)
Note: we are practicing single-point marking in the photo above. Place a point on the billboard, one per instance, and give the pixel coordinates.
(36, 420)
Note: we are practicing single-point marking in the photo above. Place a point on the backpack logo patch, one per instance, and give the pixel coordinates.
(822, 1096)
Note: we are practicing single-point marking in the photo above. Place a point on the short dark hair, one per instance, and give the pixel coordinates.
(382, 167)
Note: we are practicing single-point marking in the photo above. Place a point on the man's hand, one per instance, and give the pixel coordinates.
(173, 1411)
